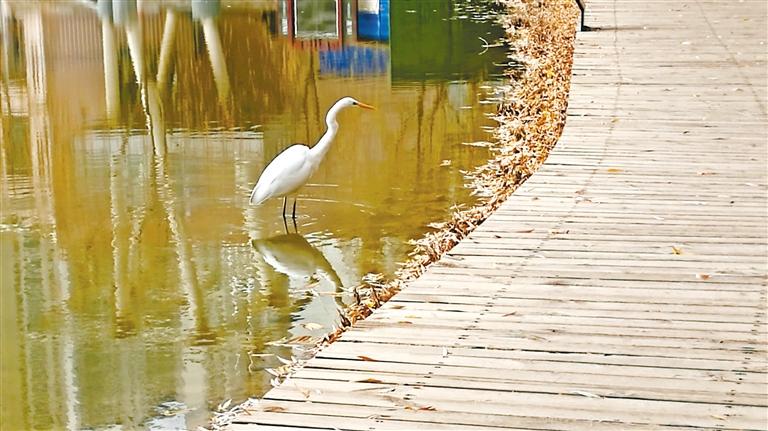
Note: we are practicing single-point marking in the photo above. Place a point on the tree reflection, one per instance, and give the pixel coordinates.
(134, 273)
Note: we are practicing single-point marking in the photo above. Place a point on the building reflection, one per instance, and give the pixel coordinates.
(131, 134)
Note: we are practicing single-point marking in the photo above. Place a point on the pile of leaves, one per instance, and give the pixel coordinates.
(531, 119)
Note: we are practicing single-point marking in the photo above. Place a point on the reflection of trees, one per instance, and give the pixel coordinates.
(107, 262)
(120, 278)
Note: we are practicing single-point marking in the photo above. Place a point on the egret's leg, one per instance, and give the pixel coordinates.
(294, 209)
(295, 228)
(285, 223)
(285, 202)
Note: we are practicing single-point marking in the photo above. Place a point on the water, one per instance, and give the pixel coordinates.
(139, 289)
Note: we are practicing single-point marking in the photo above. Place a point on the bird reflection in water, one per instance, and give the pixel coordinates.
(291, 254)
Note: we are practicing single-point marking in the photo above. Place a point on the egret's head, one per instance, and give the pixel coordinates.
(348, 101)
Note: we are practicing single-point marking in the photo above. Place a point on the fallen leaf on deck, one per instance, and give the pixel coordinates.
(677, 250)
(370, 380)
(223, 406)
(525, 230)
(366, 358)
(428, 408)
(703, 276)
(303, 391)
(586, 394)
(615, 170)
(510, 314)
(273, 409)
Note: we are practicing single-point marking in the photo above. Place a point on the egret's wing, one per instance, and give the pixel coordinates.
(283, 175)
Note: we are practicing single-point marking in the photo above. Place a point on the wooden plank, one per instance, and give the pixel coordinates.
(541, 316)
(681, 366)
(552, 382)
(512, 404)
(356, 417)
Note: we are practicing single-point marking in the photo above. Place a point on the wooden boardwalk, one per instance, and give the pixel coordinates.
(622, 287)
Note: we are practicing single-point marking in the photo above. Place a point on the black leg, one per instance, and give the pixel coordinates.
(294, 210)
(285, 202)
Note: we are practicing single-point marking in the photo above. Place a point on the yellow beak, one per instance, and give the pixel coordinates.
(363, 105)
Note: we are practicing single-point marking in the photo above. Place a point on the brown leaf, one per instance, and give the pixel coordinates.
(273, 409)
(303, 391)
(677, 250)
(369, 380)
(428, 408)
(366, 358)
(615, 170)
(703, 276)
(510, 314)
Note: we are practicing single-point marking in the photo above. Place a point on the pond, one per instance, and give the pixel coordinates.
(139, 287)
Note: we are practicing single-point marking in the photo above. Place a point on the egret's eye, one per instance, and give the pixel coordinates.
(354, 103)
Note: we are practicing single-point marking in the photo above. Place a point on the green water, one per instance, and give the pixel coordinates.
(139, 288)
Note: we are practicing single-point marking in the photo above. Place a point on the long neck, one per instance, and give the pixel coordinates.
(324, 144)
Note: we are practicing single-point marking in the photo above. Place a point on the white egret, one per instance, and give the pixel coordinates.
(291, 169)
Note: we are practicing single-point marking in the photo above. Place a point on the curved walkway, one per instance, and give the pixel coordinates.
(622, 287)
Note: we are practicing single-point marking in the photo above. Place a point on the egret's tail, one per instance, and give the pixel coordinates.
(256, 197)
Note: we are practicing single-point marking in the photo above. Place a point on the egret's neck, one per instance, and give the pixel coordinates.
(324, 144)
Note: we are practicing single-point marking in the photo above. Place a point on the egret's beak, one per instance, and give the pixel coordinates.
(363, 105)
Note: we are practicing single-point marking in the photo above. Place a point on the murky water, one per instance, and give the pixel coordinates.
(139, 288)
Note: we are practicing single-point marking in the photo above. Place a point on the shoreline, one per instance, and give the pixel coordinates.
(531, 119)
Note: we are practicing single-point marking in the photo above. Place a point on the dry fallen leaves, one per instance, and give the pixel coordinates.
(369, 380)
(677, 250)
(273, 409)
(587, 394)
(366, 358)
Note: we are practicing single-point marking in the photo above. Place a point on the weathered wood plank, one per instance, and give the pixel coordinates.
(481, 403)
